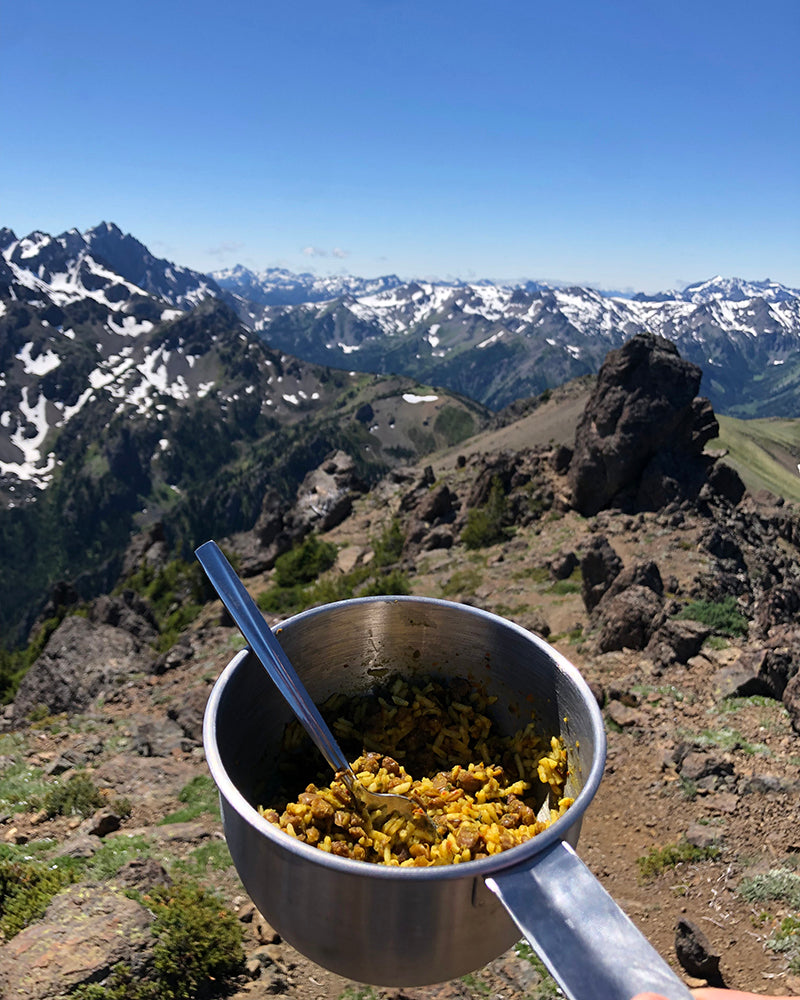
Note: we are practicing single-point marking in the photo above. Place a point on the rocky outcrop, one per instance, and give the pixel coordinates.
(639, 442)
(81, 660)
(86, 931)
(599, 564)
(324, 499)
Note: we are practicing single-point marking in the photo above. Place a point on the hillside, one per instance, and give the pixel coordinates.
(765, 453)
(682, 618)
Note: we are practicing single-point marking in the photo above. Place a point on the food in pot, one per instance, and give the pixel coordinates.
(433, 741)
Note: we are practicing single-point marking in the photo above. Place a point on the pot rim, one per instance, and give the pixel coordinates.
(483, 867)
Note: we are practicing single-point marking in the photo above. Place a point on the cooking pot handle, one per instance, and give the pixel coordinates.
(589, 945)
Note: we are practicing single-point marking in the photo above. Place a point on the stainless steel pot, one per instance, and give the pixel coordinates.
(390, 926)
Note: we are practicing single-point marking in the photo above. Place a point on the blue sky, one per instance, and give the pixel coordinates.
(624, 144)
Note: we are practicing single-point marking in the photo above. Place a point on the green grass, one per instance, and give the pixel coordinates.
(765, 453)
(722, 616)
(726, 738)
(199, 797)
(26, 888)
(213, 855)
(462, 581)
(660, 859)
(22, 787)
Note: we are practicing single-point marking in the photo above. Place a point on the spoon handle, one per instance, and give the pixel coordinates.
(264, 644)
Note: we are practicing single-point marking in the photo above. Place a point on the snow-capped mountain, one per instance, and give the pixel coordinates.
(277, 286)
(94, 316)
(93, 323)
(727, 289)
(102, 264)
(132, 393)
(501, 343)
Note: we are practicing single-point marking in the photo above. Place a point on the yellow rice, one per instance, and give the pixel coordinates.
(429, 728)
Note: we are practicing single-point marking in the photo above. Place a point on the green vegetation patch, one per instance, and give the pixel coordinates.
(486, 525)
(388, 547)
(301, 580)
(199, 796)
(175, 592)
(304, 562)
(26, 888)
(786, 939)
(78, 796)
(22, 787)
(197, 952)
(660, 859)
(764, 452)
(723, 617)
(198, 939)
(454, 424)
(777, 885)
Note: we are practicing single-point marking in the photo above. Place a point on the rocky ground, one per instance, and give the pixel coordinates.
(699, 802)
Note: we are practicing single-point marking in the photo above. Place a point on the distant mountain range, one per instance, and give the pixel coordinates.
(500, 343)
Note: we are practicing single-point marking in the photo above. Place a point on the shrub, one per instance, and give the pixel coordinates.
(722, 616)
(283, 600)
(78, 796)
(786, 939)
(396, 582)
(304, 562)
(485, 525)
(197, 939)
(778, 884)
(389, 547)
(659, 859)
(26, 888)
(122, 984)
(197, 951)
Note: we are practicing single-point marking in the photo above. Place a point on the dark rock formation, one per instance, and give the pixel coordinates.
(629, 618)
(599, 565)
(676, 641)
(694, 952)
(80, 661)
(640, 440)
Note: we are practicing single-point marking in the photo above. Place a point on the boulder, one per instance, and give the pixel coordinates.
(644, 573)
(629, 619)
(643, 431)
(85, 932)
(325, 497)
(600, 564)
(128, 611)
(694, 952)
(676, 641)
(81, 661)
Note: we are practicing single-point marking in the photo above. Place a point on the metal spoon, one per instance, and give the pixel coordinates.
(265, 645)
